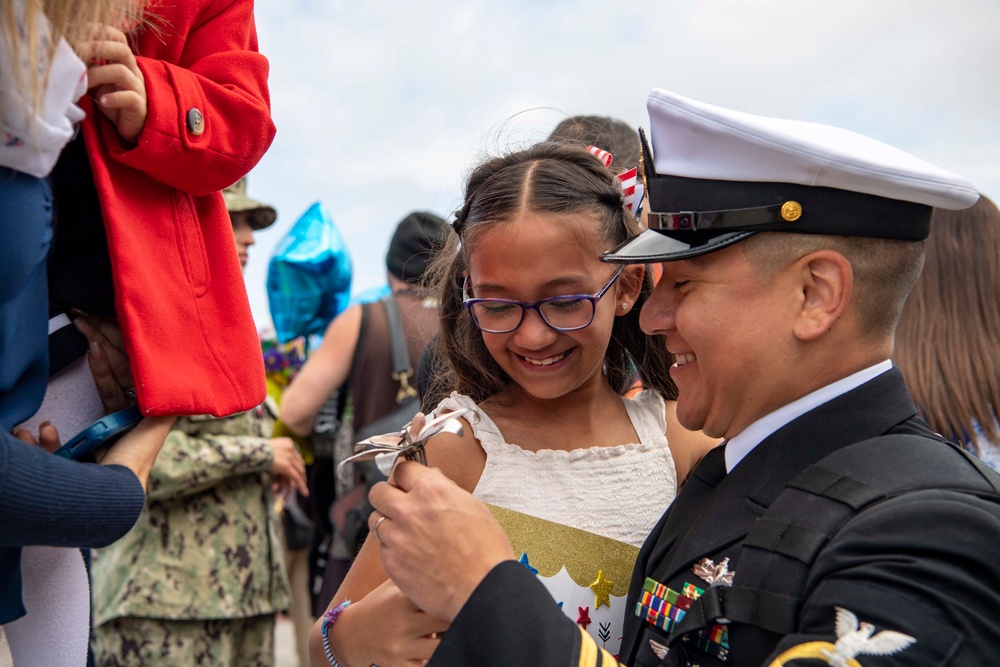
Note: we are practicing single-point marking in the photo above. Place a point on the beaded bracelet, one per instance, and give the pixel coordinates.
(329, 618)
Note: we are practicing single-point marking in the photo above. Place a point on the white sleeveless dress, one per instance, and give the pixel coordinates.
(577, 518)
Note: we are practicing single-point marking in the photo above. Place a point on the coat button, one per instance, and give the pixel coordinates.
(195, 121)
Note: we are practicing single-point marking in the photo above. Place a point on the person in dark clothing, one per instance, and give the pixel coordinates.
(349, 378)
(832, 526)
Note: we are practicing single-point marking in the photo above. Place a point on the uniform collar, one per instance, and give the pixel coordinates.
(740, 445)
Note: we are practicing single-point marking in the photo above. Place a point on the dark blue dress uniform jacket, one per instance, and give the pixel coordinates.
(923, 564)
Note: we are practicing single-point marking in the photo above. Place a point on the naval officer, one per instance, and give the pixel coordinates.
(832, 527)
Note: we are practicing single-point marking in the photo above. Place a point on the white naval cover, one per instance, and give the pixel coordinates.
(698, 140)
(579, 517)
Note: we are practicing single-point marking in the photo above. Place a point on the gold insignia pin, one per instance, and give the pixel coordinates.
(791, 211)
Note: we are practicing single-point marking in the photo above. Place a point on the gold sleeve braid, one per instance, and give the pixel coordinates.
(593, 656)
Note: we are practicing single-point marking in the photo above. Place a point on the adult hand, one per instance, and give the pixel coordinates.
(438, 542)
(108, 362)
(288, 468)
(138, 448)
(415, 635)
(117, 83)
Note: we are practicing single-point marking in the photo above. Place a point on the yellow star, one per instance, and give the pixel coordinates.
(602, 590)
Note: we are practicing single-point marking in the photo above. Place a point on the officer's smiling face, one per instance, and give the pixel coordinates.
(727, 330)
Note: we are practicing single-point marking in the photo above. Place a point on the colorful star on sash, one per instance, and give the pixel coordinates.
(524, 561)
(602, 590)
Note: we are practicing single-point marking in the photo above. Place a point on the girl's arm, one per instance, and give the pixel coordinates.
(686, 447)
(360, 636)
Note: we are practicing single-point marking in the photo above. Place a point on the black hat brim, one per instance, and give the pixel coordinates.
(651, 246)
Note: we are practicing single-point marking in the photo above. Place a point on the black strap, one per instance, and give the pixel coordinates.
(402, 371)
(778, 613)
(798, 542)
(829, 484)
(770, 611)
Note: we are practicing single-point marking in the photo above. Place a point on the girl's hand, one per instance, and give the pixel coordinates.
(115, 80)
(413, 638)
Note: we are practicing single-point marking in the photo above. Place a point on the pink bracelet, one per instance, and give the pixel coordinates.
(329, 618)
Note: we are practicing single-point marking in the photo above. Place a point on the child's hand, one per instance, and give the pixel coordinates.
(48, 437)
(115, 80)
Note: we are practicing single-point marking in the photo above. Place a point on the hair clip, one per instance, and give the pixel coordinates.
(602, 155)
(631, 189)
(386, 449)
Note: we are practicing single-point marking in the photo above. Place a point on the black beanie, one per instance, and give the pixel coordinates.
(415, 242)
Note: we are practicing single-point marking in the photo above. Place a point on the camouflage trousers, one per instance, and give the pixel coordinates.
(148, 642)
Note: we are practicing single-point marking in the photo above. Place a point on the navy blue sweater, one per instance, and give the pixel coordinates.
(48, 500)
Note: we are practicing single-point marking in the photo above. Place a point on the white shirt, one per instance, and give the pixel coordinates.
(742, 444)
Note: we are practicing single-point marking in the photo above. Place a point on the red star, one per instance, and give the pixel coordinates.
(584, 618)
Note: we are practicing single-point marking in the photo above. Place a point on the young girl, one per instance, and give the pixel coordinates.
(543, 340)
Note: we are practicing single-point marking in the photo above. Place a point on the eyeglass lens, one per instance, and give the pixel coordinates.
(568, 313)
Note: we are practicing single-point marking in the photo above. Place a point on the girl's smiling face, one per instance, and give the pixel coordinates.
(538, 255)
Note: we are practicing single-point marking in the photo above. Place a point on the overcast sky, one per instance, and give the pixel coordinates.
(382, 107)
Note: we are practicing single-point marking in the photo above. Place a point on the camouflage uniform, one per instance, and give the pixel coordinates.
(205, 548)
(131, 642)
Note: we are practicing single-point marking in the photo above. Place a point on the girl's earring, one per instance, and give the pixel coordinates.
(624, 306)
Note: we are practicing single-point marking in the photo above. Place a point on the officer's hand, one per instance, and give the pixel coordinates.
(288, 468)
(438, 542)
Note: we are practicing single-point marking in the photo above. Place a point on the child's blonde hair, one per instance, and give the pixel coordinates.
(34, 28)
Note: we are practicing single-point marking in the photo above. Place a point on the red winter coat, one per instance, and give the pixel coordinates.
(179, 289)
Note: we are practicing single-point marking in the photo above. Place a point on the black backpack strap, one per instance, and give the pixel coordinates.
(402, 371)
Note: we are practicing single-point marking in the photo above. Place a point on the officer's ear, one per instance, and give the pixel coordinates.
(827, 282)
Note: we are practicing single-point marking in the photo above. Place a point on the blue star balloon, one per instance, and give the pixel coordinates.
(309, 276)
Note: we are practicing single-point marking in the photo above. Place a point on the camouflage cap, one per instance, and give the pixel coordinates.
(258, 215)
